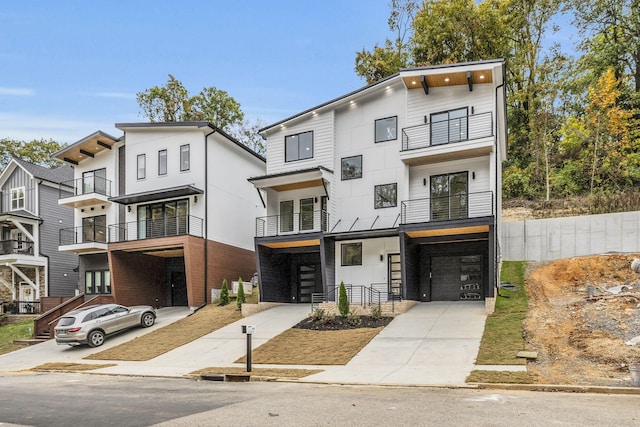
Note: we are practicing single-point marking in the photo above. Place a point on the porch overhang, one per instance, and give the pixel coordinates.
(86, 148)
(442, 229)
(294, 180)
(151, 196)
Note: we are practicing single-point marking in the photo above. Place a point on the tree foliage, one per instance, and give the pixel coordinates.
(37, 151)
(343, 301)
(240, 298)
(224, 293)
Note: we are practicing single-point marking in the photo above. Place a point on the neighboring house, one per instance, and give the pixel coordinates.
(146, 203)
(31, 268)
(394, 187)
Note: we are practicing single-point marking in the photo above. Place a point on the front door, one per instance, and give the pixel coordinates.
(306, 281)
(178, 289)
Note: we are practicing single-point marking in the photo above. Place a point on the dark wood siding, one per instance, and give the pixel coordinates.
(137, 279)
(62, 280)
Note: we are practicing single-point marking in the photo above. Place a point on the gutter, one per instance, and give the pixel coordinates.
(495, 216)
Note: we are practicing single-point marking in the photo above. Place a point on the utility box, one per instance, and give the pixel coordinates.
(248, 329)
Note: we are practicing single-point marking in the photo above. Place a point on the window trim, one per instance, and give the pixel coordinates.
(18, 195)
(143, 175)
(343, 246)
(342, 174)
(375, 130)
(162, 161)
(289, 216)
(375, 196)
(188, 157)
(105, 282)
(449, 140)
(286, 157)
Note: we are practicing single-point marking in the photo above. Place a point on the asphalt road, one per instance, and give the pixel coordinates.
(96, 400)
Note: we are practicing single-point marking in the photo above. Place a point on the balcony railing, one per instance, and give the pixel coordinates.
(460, 206)
(460, 129)
(83, 234)
(86, 185)
(303, 222)
(16, 247)
(155, 228)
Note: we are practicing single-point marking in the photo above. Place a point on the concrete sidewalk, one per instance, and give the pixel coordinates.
(431, 344)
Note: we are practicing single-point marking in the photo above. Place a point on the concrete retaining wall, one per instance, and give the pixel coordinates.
(555, 238)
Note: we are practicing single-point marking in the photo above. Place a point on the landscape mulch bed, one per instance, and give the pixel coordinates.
(340, 323)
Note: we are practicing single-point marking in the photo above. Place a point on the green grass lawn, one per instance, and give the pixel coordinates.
(15, 331)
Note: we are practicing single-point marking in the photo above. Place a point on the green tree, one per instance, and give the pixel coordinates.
(224, 293)
(240, 298)
(343, 301)
(37, 151)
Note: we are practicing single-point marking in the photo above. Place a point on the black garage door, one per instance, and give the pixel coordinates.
(456, 278)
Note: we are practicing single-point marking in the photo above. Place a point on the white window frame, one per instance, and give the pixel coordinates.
(17, 198)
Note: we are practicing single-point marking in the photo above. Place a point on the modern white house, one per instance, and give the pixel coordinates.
(162, 214)
(393, 189)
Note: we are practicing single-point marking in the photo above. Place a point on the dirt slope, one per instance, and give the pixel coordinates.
(581, 339)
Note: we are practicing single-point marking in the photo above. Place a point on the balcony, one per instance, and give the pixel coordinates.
(461, 206)
(83, 239)
(457, 138)
(291, 224)
(16, 247)
(156, 228)
(85, 191)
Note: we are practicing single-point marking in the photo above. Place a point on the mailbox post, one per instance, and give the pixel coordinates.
(248, 330)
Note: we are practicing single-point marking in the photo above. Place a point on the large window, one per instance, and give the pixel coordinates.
(286, 216)
(386, 196)
(185, 158)
(351, 254)
(163, 219)
(449, 126)
(298, 146)
(17, 198)
(449, 196)
(387, 129)
(306, 214)
(351, 167)
(162, 162)
(142, 166)
(95, 182)
(94, 229)
(97, 282)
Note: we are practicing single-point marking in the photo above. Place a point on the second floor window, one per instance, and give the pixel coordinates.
(351, 167)
(449, 126)
(17, 198)
(298, 146)
(162, 162)
(94, 181)
(387, 129)
(386, 196)
(142, 166)
(185, 158)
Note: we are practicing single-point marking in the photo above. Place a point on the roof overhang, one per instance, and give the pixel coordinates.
(86, 148)
(150, 196)
(295, 180)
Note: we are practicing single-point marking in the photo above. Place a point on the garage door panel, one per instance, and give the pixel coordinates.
(445, 278)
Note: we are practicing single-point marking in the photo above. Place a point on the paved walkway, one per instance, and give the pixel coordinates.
(431, 344)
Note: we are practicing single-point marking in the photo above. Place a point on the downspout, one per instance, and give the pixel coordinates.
(497, 164)
(206, 214)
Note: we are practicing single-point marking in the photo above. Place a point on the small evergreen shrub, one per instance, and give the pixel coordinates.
(318, 315)
(353, 320)
(376, 312)
(343, 301)
(240, 299)
(224, 293)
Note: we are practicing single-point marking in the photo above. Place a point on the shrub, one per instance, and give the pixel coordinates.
(343, 301)
(318, 315)
(224, 293)
(353, 320)
(240, 297)
(376, 312)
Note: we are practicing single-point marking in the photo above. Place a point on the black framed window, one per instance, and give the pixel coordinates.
(185, 158)
(351, 167)
(97, 282)
(351, 254)
(298, 146)
(162, 219)
(142, 166)
(94, 229)
(387, 129)
(449, 196)
(450, 126)
(162, 162)
(286, 216)
(386, 196)
(306, 214)
(95, 181)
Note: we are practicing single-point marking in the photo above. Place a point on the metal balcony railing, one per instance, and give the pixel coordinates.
(83, 234)
(295, 223)
(155, 228)
(86, 185)
(460, 129)
(16, 247)
(459, 206)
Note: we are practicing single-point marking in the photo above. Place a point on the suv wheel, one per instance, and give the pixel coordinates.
(148, 319)
(96, 339)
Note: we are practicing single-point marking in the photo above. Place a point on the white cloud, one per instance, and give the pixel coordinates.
(16, 91)
(121, 95)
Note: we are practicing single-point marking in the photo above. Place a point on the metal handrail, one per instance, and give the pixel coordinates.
(299, 222)
(465, 128)
(86, 185)
(447, 208)
(368, 296)
(154, 228)
(83, 234)
(17, 247)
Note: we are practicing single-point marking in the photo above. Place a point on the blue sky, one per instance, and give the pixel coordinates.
(68, 68)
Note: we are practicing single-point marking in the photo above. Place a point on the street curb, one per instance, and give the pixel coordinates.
(560, 388)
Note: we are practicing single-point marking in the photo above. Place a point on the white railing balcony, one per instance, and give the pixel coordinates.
(295, 223)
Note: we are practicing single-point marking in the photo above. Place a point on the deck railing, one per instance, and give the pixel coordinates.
(86, 185)
(458, 129)
(303, 222)
(154, 228)
(459, 206)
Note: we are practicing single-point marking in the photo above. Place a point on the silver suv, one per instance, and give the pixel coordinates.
(90, 325)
